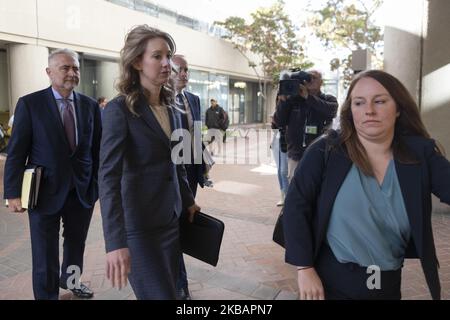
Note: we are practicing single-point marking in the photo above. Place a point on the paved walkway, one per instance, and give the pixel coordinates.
(250, 267)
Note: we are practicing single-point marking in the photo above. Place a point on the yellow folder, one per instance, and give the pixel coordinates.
(27, 187)
(30, 187)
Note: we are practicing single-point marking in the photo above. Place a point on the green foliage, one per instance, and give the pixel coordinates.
(347, 24)
(271, 36)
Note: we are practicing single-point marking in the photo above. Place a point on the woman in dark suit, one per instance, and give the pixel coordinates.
(142, 192)
(360, 203)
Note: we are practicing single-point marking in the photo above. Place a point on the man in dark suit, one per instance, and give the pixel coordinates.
(59, 130)
(190, 117)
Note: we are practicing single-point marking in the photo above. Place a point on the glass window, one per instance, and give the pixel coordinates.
(185, 21)
(198, 84)
(146, 7)
(218, 89)
(167, 14)
(245, 102)
(208, 86)
(98, 78)
(124, 3)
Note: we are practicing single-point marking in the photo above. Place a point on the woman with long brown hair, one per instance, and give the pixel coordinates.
(142, 192)
(360, 203)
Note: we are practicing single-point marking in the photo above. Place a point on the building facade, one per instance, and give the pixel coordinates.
(29, 30)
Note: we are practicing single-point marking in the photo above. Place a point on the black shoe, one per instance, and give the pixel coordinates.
(183, 294)
(83, 292)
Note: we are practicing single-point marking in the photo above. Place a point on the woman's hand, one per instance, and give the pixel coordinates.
(192, 210)
(309, 285)
(118, 266)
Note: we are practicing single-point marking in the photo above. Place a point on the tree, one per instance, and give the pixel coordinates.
(271, 36)
(347, 24)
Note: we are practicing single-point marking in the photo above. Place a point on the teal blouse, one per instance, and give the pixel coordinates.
(369, 224)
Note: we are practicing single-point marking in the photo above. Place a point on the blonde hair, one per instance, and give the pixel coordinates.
(135, 45)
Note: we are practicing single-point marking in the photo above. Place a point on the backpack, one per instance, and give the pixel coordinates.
(225, 122)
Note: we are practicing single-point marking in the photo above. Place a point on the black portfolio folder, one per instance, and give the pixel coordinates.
(202, 238)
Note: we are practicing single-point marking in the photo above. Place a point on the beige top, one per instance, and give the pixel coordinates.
(162, 115)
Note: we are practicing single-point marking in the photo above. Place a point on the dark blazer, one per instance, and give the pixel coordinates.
(312, 194)
(38, 138)
(197, 169)
(140, 187)
(194, 103)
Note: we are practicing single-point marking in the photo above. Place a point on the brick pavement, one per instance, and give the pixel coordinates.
(250, 266)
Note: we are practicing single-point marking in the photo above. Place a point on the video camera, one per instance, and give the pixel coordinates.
(291, 80)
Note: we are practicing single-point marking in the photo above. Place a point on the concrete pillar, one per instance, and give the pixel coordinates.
(402, 42)
(26, 65)
(4, 100)
(107, 74)
(417, 51)
(436, 73)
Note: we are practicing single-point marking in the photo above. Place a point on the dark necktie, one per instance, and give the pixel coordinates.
(69, 124)
(182, 106)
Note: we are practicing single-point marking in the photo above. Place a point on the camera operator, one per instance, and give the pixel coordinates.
(305, 115)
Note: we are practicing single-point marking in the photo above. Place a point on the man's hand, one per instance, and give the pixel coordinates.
(282, 98)
(303, 91)
(118, 266)
(15, 205)
(192, 210)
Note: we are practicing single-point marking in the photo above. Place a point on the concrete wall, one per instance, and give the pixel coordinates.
(27, 65)
(417, 51)
(402, 42)
(436, 72)
(4, 101)
(98, 27)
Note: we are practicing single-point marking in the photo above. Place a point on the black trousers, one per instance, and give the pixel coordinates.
(44, 230)
(349, 281)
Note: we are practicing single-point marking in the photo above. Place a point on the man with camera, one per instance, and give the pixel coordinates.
(305, 112)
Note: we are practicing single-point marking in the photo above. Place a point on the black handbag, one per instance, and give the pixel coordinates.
(278, 235)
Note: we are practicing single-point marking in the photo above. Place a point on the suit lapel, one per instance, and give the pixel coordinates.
(192, 106)
(150, 119)
(409, 177)
(80, 113)
(172, 119)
